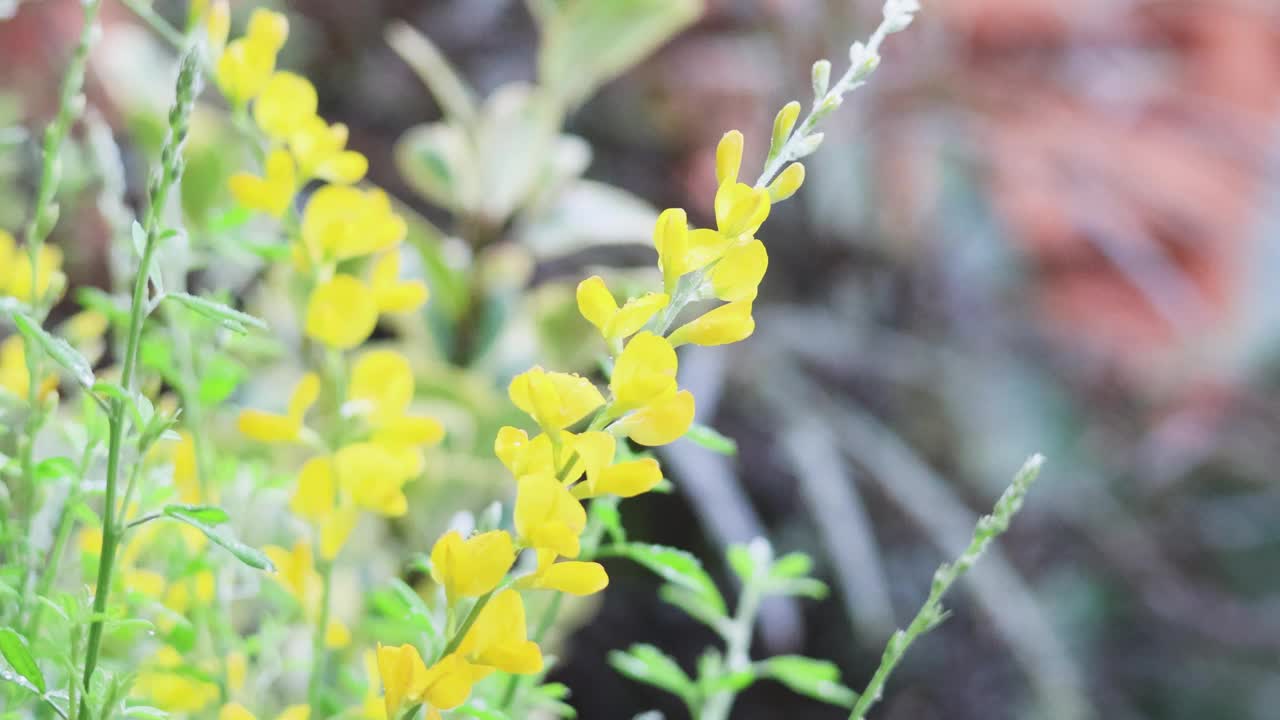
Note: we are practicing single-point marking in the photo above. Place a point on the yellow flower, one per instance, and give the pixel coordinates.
(14, 377)
(320, 151)
(471, 567)
(682, 251)
(523, 456)
(729, 157)
(498, 638)
(645, 371)
(404, 677)
(392, 294)
(726, 324)
(626, 479)
(374, 477)
(787, 183)
(317, 492)
(296, 571)
(273, 428)
(448, 683)
(597, 305)
(186, 475)
(548, 516)
(336, 635)
(15, 271)
(164, 684)
(662, 421)
(554, 400)
(573, 577)
(271, 193)
(740, 209)
(284, 106)
(381, 385)
(247, 63)
(342, 222)
(341, 313)
(738, 274)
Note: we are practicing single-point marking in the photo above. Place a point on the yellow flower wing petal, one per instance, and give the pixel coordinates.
(726, 324)
(596, 302)
(738, 274)
(341, 313)
(660, 422)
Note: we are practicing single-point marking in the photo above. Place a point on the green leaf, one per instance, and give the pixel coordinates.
(207, 514)
(55, 468)
(139, 237)
(695, 606)
(649, 665)
(414, 609)
(711, 439)
(14, 648)
(586, 43)
(55, 347)
(438, 161)
(679, 567)
(229, 317)
(445, 84)
(792, 565)
(245, 554)
(818, 679)
(480, 713)
(220, 377)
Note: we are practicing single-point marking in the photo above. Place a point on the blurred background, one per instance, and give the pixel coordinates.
(1042, 227)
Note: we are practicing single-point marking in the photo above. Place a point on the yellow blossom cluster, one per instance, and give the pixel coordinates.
(560, 466)
(16, 277)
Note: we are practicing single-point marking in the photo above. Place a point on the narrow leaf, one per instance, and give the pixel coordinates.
(245, 554)
(679, 567)
(711, 439)
(229, 317)
(56, 348)
(14, 648)
(207, 514)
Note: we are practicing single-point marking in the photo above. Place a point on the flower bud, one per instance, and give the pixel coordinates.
(821, 77)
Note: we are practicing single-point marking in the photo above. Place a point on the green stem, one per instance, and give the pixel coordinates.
(737, 650)
(931, 614)
(319, 647)
(168, 175)
(467, 622)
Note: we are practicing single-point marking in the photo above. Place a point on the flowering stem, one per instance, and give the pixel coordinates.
(467, 622)
(931, 613)
(169, 172)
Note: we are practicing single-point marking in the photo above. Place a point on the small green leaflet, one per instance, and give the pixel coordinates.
(229, 317)
(649, 665)
(679, 567)
(14, 648)
(56, 348)
(245, 554)
(817, 679)
(711, 439)
(207, 514)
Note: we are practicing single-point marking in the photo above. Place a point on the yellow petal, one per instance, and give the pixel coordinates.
(448, 683)
(738, 274)
(471, 567)
(645, 369)
(660, 422)
(336, 635)
(787, 183)
(626, 479)
(382, 385)
(671, 239)
(341, 313)
(271, 194)
(410, 430)
(268, 427)
(393, 295)
(242, 70)
(554, 400)
(729, 157)
(403, 674)
(335, 528)
(575, 578)
(635, 314)
(498, 637)
(547, 515)
(740, 209)
(295, 712)
(235, 711)
(267, 29)
(595, 302)
(373, 476)
(726, 324)
(304, 395)
(317, 490)
(341, 222)
(237, 667)
(286, 102)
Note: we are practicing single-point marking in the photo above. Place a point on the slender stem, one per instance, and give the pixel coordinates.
(931, 614)
(737, 650)
(168, 175)
(319, 646)
(467, 622)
